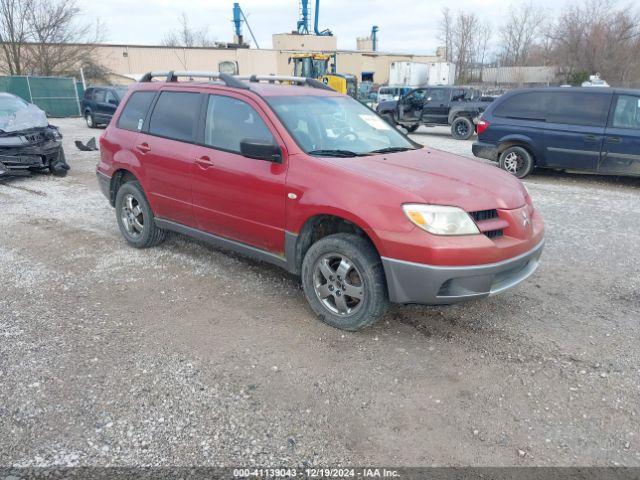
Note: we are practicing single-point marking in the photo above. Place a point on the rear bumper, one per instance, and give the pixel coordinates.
(105, 184)
(485, 150)
(410, 282)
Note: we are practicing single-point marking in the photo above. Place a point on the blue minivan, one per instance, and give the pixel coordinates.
(594, 130)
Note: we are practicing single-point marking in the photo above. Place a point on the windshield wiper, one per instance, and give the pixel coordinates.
(334, 153)
(392, 150)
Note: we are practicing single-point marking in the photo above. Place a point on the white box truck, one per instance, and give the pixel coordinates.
(442, 73)
(409, 74)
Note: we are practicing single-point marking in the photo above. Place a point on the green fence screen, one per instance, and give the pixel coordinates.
(57, 96)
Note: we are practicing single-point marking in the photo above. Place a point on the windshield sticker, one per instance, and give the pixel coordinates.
(375, 122)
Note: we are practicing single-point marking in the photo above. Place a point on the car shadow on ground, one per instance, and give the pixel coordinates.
(585, 178)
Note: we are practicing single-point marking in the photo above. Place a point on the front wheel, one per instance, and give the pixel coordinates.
(517, 161)
(462, 128)
(344, 283)
(91, 122)
(135, 218)
(412, 128)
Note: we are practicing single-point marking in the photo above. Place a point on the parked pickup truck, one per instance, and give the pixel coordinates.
(456, 106)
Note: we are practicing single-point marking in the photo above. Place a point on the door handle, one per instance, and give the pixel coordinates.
(591, 138)
(614, 139)
(144, 147)
(204, 162)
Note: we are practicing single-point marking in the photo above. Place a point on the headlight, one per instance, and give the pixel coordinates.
(440, 220)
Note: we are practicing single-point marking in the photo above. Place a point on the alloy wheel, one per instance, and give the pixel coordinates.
(132, 216)
(338, 284)
(512, 162)
(462, 129)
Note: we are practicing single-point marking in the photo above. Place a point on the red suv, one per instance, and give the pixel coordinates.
(290, 172)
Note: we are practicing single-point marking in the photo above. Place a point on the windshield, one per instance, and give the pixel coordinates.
(321, 125)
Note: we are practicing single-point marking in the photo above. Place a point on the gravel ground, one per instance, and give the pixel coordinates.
(185, 355)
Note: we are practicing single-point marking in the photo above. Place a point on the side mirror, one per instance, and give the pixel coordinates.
(261, 150)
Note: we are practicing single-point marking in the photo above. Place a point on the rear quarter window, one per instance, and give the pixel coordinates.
(174, 115)
(135, 111)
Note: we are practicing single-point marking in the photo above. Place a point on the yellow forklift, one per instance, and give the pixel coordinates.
(317, 65)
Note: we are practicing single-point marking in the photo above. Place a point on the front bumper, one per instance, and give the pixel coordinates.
(410, 282)
(485, 150)
(21, 161)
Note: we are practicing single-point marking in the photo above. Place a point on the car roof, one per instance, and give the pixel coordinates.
(594, 90)
(260, 88)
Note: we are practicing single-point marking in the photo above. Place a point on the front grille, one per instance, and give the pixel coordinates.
(484, 216)
(34, 137)
(481, 215)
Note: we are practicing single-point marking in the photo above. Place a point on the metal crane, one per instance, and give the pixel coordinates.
(305, 14)
(238, 18)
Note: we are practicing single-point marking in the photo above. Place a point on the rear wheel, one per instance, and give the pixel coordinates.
(344, 281)
(517, 161)
(462, 128)
(135, 218)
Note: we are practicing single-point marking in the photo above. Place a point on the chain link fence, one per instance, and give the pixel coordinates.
(57, 96)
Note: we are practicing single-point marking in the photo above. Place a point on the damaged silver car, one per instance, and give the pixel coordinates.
(27, 142)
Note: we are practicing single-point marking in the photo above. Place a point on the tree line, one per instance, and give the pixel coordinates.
(47, 37)
(584, 38)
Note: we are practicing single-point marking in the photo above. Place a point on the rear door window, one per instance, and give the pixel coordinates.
(579, 108)
(524, 106)
(99, 95)
(627, 112)
(230, 121)
(175, 115)
(135, 111)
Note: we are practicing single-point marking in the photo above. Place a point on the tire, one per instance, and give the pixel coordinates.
(517, 161)
(462, 128)
(365, 276)
(59, 167)
(91, 121)
(135, 218)
(412, 128)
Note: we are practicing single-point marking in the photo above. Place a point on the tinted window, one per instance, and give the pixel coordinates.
(438, 95)
(175, 115)
(99, 95)
(578, 108)
(530, 106)
(229, 121)
(111, 98)
(88, 93)
(135, 110)
(627, 112)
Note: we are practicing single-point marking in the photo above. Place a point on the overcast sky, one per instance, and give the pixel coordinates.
(405, 25)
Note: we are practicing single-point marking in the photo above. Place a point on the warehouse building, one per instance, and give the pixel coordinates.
(129, 62)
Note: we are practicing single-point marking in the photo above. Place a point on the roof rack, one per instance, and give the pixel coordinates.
(310, 82)
(172, 76)
(236, 81)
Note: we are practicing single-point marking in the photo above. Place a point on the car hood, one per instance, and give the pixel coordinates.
(441, 178)
(24, 119)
